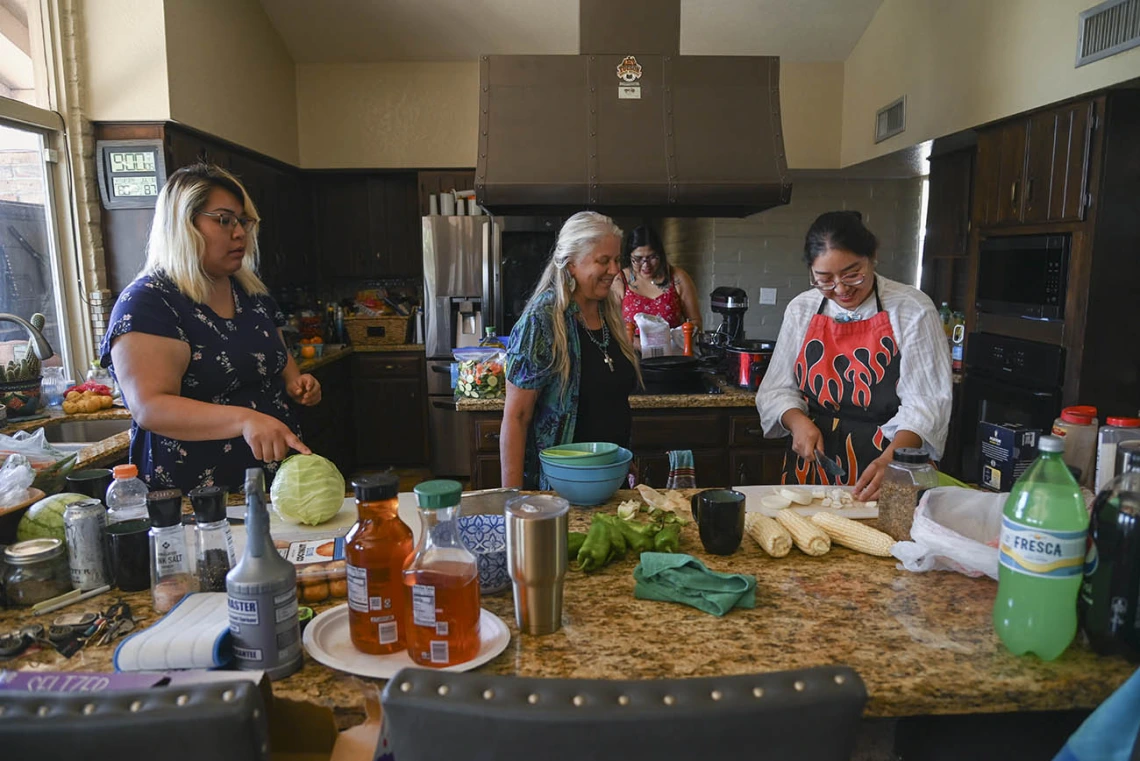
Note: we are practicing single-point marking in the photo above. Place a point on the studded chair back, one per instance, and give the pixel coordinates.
(223, 721)
(810, 715)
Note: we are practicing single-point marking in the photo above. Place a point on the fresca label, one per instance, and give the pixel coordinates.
(1041, 552)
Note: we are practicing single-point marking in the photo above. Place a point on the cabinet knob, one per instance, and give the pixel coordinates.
(491, 436)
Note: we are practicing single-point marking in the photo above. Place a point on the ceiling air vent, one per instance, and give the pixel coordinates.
(890, 120)
(1107, 29)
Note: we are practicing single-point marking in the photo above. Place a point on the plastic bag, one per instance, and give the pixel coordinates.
(50, 464)
(655, 336)
(479, 373)
(16, 475)
(954, 529)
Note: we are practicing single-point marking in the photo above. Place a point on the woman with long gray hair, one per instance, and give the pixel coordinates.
(194, 342)
(570, 367)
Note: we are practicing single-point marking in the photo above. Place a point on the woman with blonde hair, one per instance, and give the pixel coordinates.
(570, 367)
(195, 344)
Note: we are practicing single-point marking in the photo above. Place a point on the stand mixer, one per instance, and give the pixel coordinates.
(732, 303)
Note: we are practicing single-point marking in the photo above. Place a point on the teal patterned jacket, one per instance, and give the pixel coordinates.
(530, 360)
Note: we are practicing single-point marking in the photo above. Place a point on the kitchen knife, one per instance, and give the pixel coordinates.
(830, 466)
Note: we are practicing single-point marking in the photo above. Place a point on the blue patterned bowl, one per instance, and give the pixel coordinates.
(486, 537)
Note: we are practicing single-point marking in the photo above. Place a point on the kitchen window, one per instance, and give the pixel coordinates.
(39, 268)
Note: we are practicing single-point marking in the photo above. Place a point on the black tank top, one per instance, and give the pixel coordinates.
(603, 396)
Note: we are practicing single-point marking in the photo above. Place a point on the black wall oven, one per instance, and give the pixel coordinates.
(1007, 380)
(1023, 276)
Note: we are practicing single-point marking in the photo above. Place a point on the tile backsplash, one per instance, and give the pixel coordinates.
(765, 250)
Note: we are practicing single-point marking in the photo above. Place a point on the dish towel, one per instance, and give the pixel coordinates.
(1111, 731)
(682, 472)
(677, 577)
(194, 634)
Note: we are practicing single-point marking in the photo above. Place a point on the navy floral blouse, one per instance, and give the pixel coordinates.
(233, 362)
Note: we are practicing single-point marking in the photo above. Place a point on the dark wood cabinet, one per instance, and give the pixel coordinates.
(389, 409)
(367, 224)
(1034, 169)
(327, 428)
(945, 253)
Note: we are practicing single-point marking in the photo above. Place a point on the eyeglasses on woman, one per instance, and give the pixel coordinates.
(851, 281)
(227, 220)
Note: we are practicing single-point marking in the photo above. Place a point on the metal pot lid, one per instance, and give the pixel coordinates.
(33, 551)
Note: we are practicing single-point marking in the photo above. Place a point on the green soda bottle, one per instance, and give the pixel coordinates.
(1043, 534)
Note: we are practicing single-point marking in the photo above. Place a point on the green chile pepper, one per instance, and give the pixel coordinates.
(574, 542)
(639, 536)
(668, 539)
(618, 543)
(595, 551)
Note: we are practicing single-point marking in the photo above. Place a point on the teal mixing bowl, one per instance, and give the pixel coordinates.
(588, 485)
(581, 454)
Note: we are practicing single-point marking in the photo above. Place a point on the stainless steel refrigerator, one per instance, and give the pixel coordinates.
(478, 273)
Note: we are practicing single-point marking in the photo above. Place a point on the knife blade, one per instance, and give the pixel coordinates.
(830, 466)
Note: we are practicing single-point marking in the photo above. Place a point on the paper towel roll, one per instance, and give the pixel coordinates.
(447, 204)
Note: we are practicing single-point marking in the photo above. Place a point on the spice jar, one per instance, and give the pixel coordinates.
(909, 473)
(213, 541)
(37, 571)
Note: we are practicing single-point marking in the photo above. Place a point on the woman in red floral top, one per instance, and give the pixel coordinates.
(649, 285)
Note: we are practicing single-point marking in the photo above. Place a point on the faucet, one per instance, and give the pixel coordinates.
(40, 344)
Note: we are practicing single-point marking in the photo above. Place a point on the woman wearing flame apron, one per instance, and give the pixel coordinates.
(861, 366)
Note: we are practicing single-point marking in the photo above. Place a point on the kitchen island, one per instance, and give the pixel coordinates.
(923, 643)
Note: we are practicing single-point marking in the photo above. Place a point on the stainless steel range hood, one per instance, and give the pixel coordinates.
(637, 131)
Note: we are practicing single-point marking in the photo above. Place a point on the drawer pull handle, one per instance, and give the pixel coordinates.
(754, 431)
(491, 435)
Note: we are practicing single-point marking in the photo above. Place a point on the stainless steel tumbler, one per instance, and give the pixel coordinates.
(536, 559)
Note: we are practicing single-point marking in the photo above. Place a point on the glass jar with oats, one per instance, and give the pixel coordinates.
(909, 474)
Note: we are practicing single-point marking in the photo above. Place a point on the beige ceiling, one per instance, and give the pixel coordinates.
(359, 31)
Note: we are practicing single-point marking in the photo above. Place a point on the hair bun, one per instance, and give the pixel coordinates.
(857, 214)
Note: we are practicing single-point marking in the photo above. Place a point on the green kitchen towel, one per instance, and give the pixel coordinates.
(676, 577)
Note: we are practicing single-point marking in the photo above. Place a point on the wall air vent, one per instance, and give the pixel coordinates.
(1107, 29)
(890, 120)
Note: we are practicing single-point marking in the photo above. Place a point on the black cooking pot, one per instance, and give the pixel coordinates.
(671, 375)
(747, 361)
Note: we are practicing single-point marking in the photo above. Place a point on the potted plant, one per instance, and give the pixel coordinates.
(21, 381)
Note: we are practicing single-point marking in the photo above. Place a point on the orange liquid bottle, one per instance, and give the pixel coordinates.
(441, 579)
(375, 550)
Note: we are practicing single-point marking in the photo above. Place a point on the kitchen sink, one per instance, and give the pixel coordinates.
(84, 431)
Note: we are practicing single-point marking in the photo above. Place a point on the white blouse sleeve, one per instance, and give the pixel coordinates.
(925, 396)
(778, 392)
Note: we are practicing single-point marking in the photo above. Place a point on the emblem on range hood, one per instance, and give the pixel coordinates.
(674, 136)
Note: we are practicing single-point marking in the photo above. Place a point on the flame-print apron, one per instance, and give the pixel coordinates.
(849, 374)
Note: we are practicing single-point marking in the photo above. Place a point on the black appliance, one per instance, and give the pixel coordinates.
(746, 362)
(1008, 380)
(672, 375)
(1023, 276)
(731, 303)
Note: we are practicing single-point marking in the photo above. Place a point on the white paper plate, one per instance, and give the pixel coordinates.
(754, 494)
(327, 641)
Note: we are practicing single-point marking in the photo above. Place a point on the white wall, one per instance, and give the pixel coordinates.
(962, 63)
(230, 74)
(124, 69)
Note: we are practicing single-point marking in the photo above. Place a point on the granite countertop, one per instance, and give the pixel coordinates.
(923, 643)
(328, 357)
(730, 396)
(54, 417)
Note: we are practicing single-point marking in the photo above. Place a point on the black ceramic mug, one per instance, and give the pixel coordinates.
(719, 514)
(92, 482)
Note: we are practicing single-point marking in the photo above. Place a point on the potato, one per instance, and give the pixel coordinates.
(70, 408)
(315, 591)
(338, 587)
(73, 396)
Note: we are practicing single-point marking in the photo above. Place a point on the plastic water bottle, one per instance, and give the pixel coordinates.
(128, 524)
(1044, 530)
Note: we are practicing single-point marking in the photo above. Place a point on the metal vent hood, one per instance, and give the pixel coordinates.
(629, 126)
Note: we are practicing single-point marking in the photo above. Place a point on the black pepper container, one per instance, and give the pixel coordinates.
(213, 539)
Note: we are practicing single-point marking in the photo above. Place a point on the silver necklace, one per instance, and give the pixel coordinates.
(603, 345)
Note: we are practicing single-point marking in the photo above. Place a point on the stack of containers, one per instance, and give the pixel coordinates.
(1115, 430)
(1077, 426)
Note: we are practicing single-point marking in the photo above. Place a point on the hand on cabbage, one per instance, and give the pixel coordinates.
(307, 489)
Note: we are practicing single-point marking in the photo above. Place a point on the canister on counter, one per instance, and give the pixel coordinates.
(36, 571)
(85, 525)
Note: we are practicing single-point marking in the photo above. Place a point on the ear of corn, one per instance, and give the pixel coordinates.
(854, 535)
(771, 536)
(811, 539)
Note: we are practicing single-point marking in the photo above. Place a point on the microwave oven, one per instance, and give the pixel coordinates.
(1023, 276)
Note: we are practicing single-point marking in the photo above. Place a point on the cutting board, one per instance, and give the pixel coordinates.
(755, 493)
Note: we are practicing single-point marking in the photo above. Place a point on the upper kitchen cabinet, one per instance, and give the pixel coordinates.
(442, 181)
(945, 253)
(1034, 169)
(367, 225)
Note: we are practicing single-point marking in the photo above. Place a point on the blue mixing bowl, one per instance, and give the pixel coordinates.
(586, 485)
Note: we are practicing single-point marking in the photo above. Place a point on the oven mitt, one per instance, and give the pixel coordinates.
(677, 577)
(194, 634)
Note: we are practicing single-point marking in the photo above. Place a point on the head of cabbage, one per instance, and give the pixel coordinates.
(307, 489)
